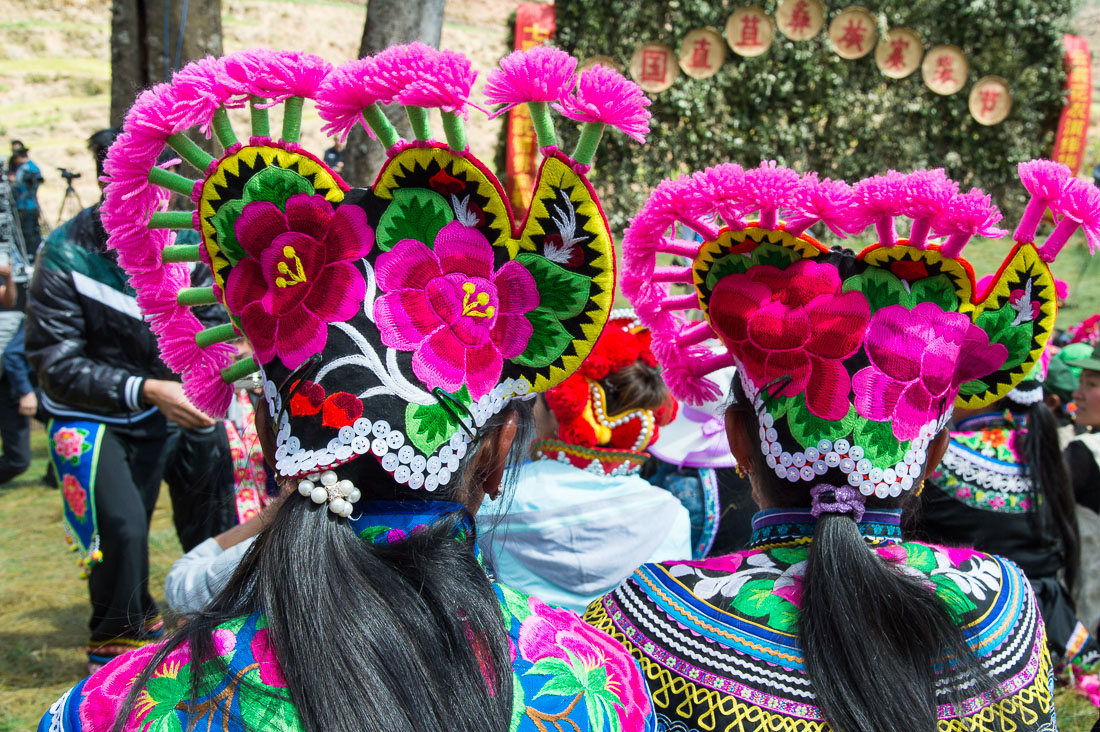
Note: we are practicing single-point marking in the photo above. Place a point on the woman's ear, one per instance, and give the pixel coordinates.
(741, 442)
(936, 450)
(496, 457)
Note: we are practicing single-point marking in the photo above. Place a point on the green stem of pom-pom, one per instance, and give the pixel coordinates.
(591, 133)
(223, 128)
(239, 370)
(455, 131)
(217, 334)
(543, 124)
(190, 152)
(191, 296)
(292, 119)
(418, 118)
(381, 125)
(171, 181)
(181, 253)
(261, 126)
(170, 220)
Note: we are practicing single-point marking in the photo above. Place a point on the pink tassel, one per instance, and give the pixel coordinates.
(200, 88)
(828, 201)
(689, 388)
(445, 84)
(968, 215)
(877, 200)
(1061, 289)
(539, 74)
(1045, 180)
(1078, 206)
(398, 67)
(769, 188)
(604, 95)
(724, 187)
(929, 194)
(346, 92)
(277, 75)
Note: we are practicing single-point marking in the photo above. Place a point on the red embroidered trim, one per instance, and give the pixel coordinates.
(596, 460)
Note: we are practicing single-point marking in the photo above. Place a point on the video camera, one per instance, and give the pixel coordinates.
(68, 174)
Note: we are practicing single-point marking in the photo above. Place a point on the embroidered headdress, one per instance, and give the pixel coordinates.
(853, 362)
(589, 433)
(388, 321)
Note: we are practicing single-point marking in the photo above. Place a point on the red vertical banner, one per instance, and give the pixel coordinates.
(1073, 127)
(534, 25)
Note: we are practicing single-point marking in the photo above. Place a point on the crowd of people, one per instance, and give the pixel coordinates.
(425, 477)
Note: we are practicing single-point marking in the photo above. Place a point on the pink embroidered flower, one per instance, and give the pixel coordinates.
(69, 442)
(75, 495)
(459, 317)
(557, 633)
(997, 502)
(106, 689)
(963, 492)
(263, 652)
(919, 358)
(299, 276)
(1025, 504)
(796, 322)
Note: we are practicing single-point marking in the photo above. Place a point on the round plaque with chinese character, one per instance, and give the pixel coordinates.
(853, 33)
(749, 31)
(654, 67)
(800, 20)
(899, 53)
(702, 52)
(990, 100)
(945, 69)
(606, 61)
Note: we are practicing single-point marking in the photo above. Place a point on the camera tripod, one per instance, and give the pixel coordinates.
(70, 194)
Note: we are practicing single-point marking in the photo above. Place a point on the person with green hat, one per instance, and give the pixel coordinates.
(1083, 460)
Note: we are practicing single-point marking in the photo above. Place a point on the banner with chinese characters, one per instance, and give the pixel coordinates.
(534, 25)
(1069, 143)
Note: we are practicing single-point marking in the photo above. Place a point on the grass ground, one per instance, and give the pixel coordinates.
(44, 605)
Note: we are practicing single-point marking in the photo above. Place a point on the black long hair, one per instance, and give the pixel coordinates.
(871, 635)
(1041, 450)
(388, 637)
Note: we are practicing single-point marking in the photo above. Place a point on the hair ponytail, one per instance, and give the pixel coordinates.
(871, 636)
(388, 637)
(1050, 483)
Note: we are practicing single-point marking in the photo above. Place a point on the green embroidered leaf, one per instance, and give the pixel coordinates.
(562, 685)
(779, 406)
(1016, 338)
(516, 603)
(371, 533)
(595, 714)
(275, 185)
(727, 265)
(977, 386)
(562, 292)
(224, 221)
(789, 555)
(756, 598)
(920, 557)
(879, 443)
(881, 288)
(775, 255)
(549, 339)
(954, 600)
(550, 666)
(519, 703)
(809, 429)
(430, 425)
(938, 290)
(415, 213)
(785, 616)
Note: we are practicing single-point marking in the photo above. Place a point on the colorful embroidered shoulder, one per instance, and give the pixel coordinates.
(718, 640)
(982, 469)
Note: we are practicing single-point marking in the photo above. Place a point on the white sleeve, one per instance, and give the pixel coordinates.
(200, 574)
(677, 543)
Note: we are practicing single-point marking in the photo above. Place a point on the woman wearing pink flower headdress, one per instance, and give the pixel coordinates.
(849, 367)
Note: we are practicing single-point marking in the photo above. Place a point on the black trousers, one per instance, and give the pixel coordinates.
(128, 476)
(200, 481)
(15, 435)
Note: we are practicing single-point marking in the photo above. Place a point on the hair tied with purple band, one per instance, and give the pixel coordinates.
(837, 499)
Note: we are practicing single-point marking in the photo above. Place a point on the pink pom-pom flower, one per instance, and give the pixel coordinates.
(444, 82)
(877, 200)
(1078, 206)
(968, 214)
(604, 95)
(724, 186)
(769, 188)
(278, 75)
(346, 92)
(929, 194)
(828, 201)
(1045, 180)
(539, 74)
(398, 67)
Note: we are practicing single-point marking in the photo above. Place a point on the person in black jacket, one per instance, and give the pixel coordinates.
(111, 400)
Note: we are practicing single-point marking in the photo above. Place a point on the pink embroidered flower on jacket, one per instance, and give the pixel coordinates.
(75, 495)
(796, 322)
(459, 317)
(299, 276)
(263, 653)
(919, 358)
(556, 633)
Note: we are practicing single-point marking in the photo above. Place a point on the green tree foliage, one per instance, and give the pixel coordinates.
(805, 106)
